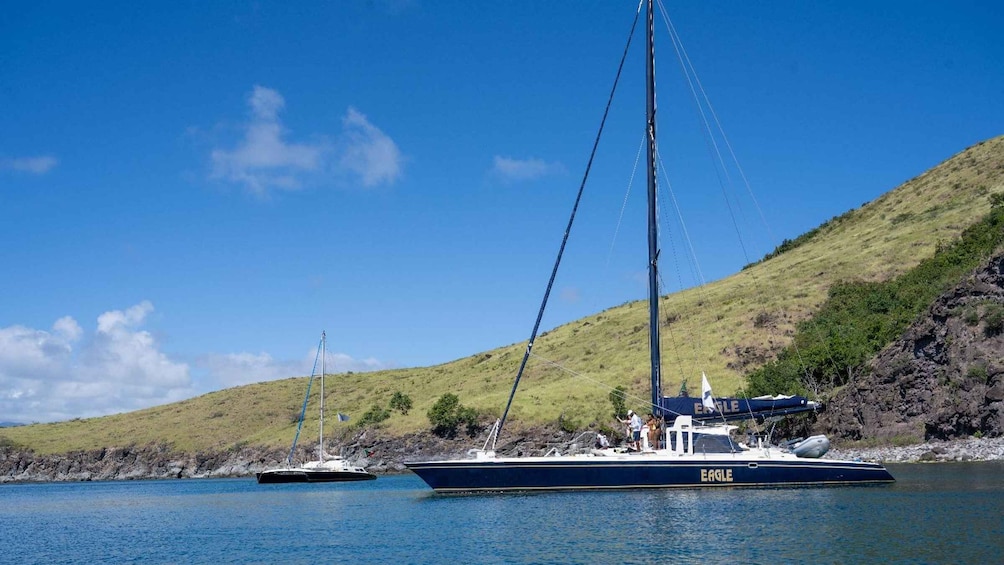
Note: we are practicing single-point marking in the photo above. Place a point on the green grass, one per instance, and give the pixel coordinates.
(720, 328)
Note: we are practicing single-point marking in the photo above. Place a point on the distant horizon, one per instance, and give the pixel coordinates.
(190, 194)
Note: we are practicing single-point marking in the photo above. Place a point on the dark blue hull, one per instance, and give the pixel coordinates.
(310, 476)
(639, 472)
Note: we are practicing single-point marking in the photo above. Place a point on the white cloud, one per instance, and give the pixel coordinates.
(55, 375)
(66, 372)
(266, 103)
(33, 165)
(235, 369)
(515, 170)
(368, 152)
(263, 159)
(68, 328)
(123, 354)
(340, 363)
(25, 351)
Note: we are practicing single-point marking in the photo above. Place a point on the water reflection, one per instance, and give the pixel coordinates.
(933, 513)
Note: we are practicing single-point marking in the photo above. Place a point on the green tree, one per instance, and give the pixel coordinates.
(401, 402)
(447, 414)
(469, 417)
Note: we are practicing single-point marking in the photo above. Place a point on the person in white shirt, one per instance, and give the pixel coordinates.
(634, 425)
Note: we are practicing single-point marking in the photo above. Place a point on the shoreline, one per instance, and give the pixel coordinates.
(967, 449)
(382, 458)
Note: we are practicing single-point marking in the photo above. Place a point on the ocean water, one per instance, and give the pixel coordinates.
(935, 513)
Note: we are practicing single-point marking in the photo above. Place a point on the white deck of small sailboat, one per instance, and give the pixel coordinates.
(331, 470)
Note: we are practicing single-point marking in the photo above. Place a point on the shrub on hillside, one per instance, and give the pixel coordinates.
(994, 319)
(400, 402)
(374, 415)
(566, 424)
(447, 415)
(977, 372)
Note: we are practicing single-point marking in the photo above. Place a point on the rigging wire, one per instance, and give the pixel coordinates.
(627, 193)
(694, 265)
(303, 411)
(721, 169)
(682, 53)
(721, 129)
(692, 78)
(568, 228)
(690, 74)
(669, 326)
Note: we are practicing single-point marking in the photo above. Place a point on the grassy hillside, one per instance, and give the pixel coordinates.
(860, 318)
(725, 328)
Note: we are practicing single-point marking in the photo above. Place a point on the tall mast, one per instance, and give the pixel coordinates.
(653, 219)
(320, 445)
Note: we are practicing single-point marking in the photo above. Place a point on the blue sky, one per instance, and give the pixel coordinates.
(191, 191)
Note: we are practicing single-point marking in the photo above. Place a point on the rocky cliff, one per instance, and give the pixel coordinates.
(943, 379)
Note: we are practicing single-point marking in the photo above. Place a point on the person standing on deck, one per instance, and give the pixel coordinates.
(653, 431)
(634, 422)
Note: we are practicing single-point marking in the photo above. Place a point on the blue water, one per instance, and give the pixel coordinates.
(943, 513)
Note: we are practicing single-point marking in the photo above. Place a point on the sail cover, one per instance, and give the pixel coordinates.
(736, 408)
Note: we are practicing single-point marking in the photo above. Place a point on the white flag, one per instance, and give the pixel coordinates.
(706, 398)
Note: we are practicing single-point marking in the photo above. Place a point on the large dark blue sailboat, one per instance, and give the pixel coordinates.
(690, 453)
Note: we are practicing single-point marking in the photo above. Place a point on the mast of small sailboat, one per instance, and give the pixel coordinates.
(320, 444)
(653, 219)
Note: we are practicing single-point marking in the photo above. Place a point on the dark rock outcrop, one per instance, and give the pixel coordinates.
(943, 379)
(373, 449)
(131, 462)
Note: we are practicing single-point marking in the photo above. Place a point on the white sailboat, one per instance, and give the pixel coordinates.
(689, 453)
(326, 468)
